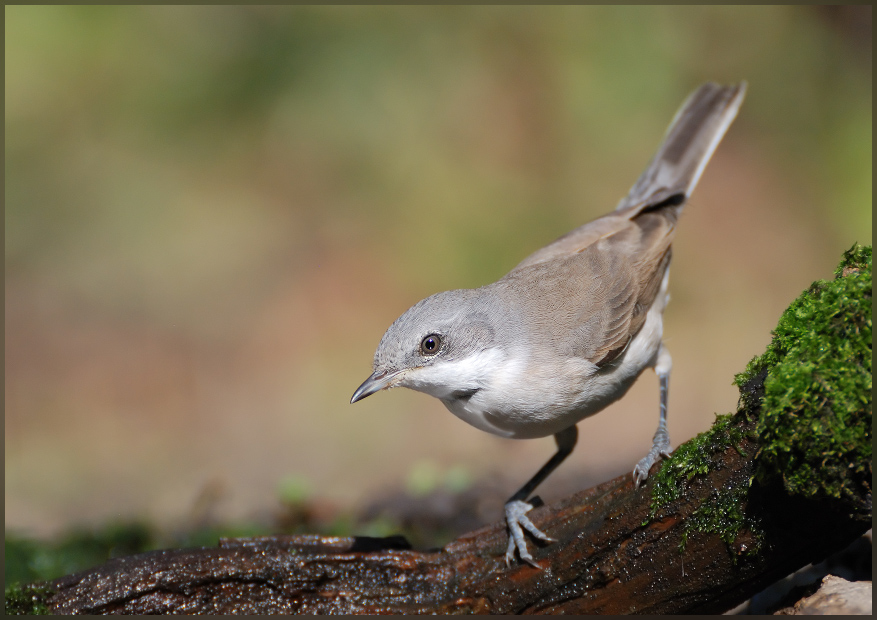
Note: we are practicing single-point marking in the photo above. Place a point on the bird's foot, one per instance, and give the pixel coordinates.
(660, 448)
(517, 520)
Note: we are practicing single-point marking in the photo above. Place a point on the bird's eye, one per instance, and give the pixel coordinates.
(431, 344)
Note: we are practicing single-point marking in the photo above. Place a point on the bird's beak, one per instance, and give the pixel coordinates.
(377, 382)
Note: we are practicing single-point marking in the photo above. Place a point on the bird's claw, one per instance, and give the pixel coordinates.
(660, 449)
(517, 520)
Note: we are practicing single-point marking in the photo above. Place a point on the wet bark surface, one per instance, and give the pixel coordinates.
(611, 556)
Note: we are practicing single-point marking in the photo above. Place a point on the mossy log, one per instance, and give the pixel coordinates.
(730, 512)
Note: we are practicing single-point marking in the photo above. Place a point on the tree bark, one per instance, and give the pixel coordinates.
(612, 555)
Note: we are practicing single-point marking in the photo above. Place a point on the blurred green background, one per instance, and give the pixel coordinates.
(213, 214)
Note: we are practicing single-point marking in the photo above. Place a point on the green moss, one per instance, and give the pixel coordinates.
(812, 393)
(27, 600)
(723, 514)
(814, 423)
(692, 458)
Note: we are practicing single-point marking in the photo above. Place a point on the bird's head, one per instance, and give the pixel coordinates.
(434, 347)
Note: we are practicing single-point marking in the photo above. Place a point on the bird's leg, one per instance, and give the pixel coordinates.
(517, 507)
(661, 440)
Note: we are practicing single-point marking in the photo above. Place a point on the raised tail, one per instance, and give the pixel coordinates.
(690, 141)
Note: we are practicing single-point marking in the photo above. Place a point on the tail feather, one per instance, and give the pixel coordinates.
(690, 141)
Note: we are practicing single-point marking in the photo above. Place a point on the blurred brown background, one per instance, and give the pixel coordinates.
(213, 214)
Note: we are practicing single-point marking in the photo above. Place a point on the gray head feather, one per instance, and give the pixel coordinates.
(461, 319)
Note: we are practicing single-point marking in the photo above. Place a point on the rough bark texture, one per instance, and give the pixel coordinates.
(611, 557)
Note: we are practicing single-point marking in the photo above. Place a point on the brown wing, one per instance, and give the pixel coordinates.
(643, 252)
(591, 303)
(636, 259)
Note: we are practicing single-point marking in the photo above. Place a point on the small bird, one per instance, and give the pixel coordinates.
(569, 329)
